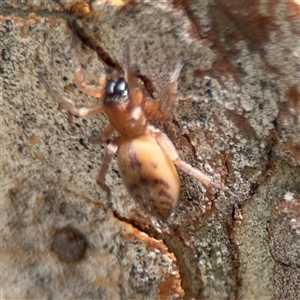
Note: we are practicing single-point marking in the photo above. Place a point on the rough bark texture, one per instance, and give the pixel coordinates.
(237, 119)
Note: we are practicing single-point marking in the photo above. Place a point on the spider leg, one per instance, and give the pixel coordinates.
(103, 136)
(129, 76)
(69, 105)
(135, 94)
(110, 151)
(171, 151)
(92, 90)
(155, 110)
(151, 108)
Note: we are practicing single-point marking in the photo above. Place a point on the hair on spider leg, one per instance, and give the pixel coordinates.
(177, 70)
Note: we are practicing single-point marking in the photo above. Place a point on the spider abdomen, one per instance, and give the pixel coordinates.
(149, 175)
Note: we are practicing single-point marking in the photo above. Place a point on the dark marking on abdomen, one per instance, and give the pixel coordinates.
(151, 200)
(134, 163)
(138, 197)
(144, 180)
(133, 187)
(163, 193)
(166, 205)
(154, 165)
(165, 210)
(162, 182)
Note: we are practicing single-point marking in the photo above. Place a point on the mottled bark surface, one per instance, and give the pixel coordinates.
(237, 119)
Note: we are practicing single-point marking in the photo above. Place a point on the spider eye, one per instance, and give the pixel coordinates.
(110, 88)
(121, 88)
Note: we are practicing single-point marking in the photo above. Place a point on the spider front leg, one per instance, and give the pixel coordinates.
(89, 89)
(69, 105)
(171, 151)
(135, 94)
(154, 108)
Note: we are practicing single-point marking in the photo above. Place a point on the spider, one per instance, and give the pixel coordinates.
(146, 156)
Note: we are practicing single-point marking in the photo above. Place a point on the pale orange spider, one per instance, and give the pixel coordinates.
(146, 156)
